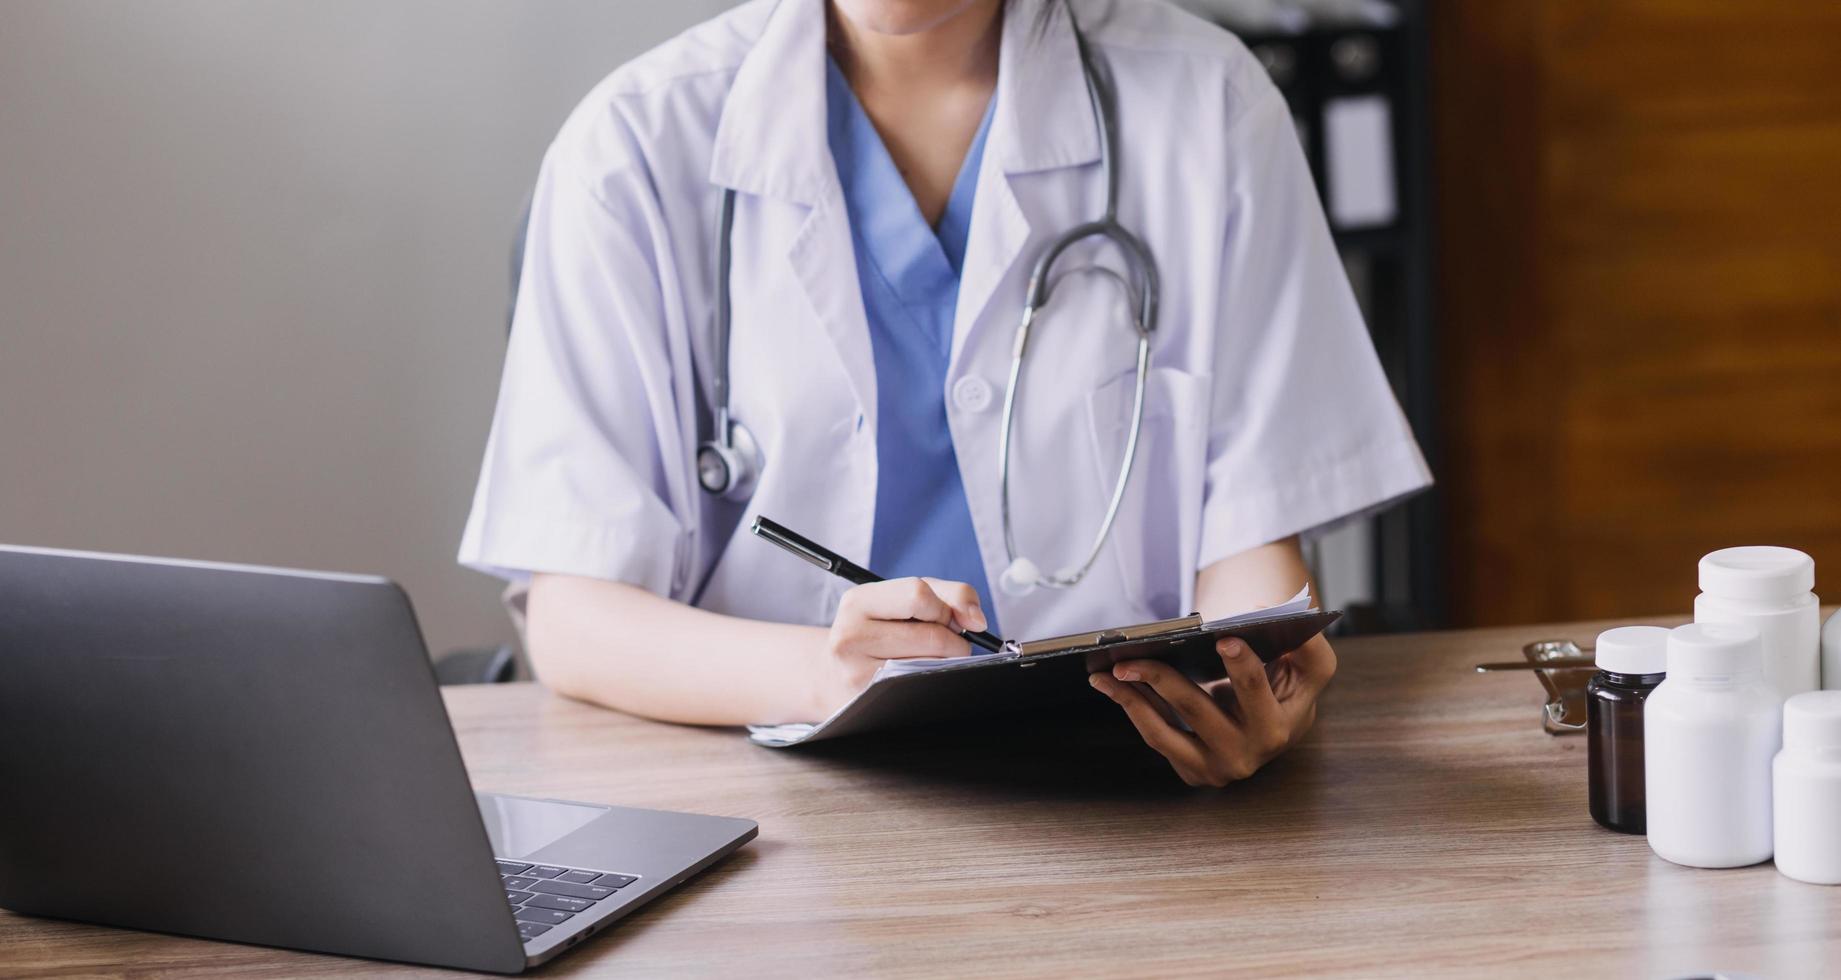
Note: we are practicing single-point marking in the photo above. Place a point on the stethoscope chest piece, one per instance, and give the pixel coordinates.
(728, 467)
(1020, 577)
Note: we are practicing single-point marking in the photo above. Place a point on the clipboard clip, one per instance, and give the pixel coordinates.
(1173, 628)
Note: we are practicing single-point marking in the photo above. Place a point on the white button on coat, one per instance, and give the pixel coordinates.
(971, 393)
(1266, 413)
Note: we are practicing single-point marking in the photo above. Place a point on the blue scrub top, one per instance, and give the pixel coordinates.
(909, 275)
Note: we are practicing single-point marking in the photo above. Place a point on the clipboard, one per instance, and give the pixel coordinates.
(1044, 673)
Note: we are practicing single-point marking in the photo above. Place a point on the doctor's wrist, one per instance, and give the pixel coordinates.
(821, 687)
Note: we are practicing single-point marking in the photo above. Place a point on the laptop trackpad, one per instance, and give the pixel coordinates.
(519, 827)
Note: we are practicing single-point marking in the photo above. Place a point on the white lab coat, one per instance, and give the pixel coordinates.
(1267, 412)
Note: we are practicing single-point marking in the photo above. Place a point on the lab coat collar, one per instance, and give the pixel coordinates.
(1044, 121)
(1045, 114)
(770, 140)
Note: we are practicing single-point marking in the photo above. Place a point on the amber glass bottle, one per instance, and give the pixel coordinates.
(1631, 662)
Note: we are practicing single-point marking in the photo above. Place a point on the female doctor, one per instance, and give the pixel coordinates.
(876, 180)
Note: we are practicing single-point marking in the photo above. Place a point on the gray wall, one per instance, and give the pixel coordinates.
(253, 269)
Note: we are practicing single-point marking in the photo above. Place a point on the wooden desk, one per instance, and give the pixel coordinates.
(1427, 828)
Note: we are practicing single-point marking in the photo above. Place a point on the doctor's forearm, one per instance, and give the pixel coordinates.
(623, 647)
(1254, 578)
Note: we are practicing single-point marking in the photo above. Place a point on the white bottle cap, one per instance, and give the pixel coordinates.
(1713, 651)
(1633, 650)
(1812, 720)
(1758, 572)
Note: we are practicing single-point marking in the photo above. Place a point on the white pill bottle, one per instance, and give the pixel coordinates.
(1806, 810)
(1768, 589)
(1710, 732)
(1831, 654)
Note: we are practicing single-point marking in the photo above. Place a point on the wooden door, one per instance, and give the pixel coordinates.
(1639, 212)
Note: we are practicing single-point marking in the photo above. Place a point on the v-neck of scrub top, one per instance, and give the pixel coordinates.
(909, 277)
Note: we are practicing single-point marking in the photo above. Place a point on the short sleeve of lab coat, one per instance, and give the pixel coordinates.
(1305, 431)
(575, 478)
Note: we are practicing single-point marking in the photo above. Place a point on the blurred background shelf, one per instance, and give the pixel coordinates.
(1355, 76)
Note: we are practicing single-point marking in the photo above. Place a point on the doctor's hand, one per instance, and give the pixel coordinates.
(1236, 725)
(898, 619)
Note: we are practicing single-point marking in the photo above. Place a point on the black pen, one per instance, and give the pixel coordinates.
(845, 569)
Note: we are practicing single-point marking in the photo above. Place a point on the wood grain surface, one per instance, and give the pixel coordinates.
(1426, 827)
(1640, 317)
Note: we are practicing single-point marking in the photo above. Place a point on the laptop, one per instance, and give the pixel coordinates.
(262, 756)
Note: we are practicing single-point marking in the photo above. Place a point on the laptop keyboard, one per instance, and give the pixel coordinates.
(544, 896)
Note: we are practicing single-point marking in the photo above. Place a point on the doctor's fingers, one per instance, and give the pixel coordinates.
(879, 639)
(967, 610)
(1189, 701)
(1307, 671)
(1262, 718)
(894, 599)
(1180, 749)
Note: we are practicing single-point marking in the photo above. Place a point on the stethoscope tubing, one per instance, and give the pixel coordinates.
(719, 383)
(1068, 578)
(1142, 267)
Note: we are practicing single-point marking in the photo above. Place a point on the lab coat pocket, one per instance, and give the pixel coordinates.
(1155, 540)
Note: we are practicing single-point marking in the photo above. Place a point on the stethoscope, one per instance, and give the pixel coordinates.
(727, 464)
